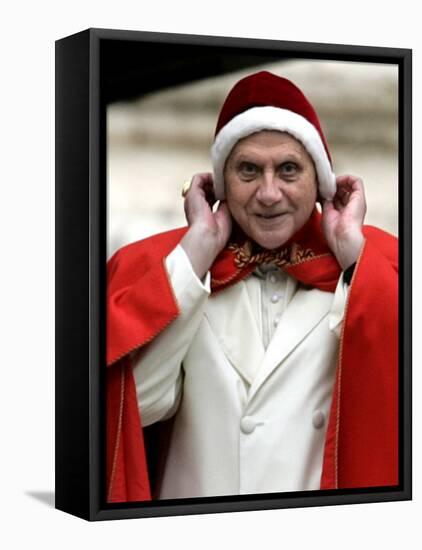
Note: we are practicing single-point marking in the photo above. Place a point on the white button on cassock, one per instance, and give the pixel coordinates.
(318, 419)
(275, 298)
(247, 424)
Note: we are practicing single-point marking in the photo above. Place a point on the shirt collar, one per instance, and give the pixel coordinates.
(262, 270)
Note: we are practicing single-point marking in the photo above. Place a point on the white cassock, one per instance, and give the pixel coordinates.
(248, 373)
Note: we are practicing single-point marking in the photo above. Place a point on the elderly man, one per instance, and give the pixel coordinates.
(265, 331)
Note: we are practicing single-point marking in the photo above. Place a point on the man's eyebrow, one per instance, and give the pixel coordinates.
(254, 158)
(250, 157)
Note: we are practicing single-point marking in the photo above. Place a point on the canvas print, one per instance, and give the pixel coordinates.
(252, 283)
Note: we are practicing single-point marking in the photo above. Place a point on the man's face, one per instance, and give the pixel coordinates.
(271, 186)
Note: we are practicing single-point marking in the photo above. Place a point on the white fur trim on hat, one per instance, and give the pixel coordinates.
(272, 118)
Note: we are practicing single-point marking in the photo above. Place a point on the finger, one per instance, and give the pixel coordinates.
(339, 197)
(349, 182)
(343, 196)
(346, 178)
(210, 195)
(202, 180)
(350, 189)
(338, 204)
(203, 184)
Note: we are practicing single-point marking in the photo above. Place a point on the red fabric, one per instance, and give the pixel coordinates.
(134, 316)
(364, 417)
(126, 462)
(361, 448)
(265, 89)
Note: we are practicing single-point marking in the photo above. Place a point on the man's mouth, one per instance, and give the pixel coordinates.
(270, 216)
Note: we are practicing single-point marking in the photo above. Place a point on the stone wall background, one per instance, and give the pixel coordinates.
(156, 143)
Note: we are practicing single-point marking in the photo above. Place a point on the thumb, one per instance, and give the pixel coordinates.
(327, 207)
(222, 209)
(222, 214)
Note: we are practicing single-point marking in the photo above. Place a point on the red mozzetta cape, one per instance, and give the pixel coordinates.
(361, 447)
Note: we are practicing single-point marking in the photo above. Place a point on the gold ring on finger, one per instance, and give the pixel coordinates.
(186, 187)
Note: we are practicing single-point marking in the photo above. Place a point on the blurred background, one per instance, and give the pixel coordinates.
(158, 140)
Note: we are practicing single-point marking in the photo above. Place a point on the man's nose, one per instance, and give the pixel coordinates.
(269, 189)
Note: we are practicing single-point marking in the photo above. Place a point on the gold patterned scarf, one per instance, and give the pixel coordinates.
(305, 256)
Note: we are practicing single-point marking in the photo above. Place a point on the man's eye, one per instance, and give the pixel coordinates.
(248, 169)
(289, 168)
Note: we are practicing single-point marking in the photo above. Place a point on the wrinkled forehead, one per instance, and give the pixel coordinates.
(268, 143)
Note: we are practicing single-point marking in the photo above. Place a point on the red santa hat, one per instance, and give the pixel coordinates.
(265, 101)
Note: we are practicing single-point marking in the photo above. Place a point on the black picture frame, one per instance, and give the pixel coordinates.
(89, 73)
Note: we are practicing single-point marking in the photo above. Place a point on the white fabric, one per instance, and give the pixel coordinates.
(248, 419)
(272, 118)
(270, 290)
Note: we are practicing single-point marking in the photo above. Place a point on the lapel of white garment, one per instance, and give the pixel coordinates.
(304, 311)
(232, 320)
